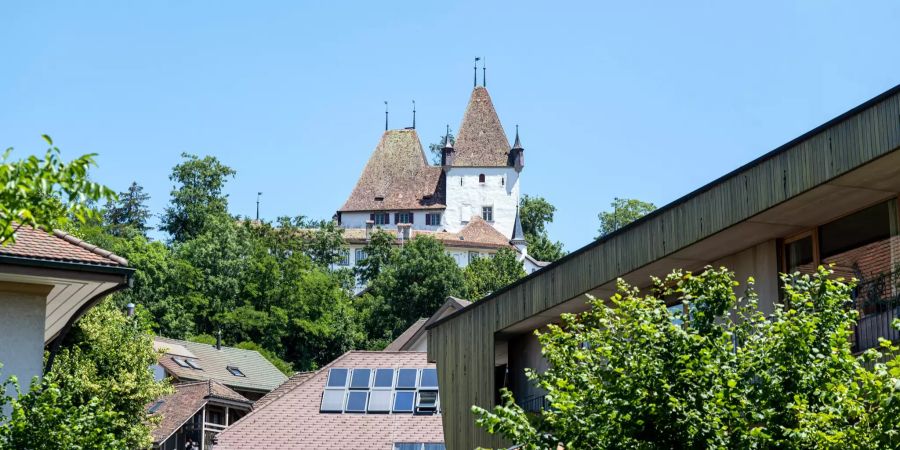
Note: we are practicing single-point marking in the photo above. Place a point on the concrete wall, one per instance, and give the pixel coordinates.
(466, 195)
(22, 316)
(761, 263)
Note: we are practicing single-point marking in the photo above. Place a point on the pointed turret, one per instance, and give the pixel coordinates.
(481, 141)
(518, 236)
(447, 152)
(517, 153)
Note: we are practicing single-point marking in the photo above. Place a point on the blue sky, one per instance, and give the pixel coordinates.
(614, 99)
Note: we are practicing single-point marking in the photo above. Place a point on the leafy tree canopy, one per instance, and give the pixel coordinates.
(631, 374)
(197, 196)
(435, 148)
(624, 211)
(380, 252)
(46, 193)
(486, 275)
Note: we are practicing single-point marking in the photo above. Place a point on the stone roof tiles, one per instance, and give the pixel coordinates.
(481, 141)
(397, 177)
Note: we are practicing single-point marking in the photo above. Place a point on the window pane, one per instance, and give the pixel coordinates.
(337, 378)
(380, 401)
(356, 401)
(406, 379)
(407, 446)
(333, 401)
(677, 313)
(867, 226)
(799, 256)
(360, 378)
(439, 446)
(403, 401)
(384, 378)
(429, 378)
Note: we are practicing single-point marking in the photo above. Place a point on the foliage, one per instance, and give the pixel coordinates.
(418, 281)
(324, 244)
(486, 275)
(535, 213)
(129, 213)
(96, 393)
(380, 252)
(629, 374)
(624, 211)
(46, 193)
(197, 196)
(436, 148)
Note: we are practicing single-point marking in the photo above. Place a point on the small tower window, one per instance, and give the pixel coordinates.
(481, 178)
(502, 181)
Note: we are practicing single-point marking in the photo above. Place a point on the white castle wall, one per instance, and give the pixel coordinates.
(466, 196)
(358, 220)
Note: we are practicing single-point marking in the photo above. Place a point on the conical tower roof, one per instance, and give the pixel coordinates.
(481, 141)
(518, 233)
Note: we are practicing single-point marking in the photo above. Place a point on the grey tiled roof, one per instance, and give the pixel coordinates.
(261, 375)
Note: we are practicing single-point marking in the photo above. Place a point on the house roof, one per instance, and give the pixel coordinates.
(59, 246)
(291, 382)
(418, 329)
(399, 174)
(179, 406)
(261, 375)
(481, 141)
(293, 419)
(476, 234)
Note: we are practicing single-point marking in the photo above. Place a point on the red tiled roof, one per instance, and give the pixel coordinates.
(292, 382)
(477, 234)
(481, 141)
(58, 246)
(293, 420)
(398, 174)
(178, 407)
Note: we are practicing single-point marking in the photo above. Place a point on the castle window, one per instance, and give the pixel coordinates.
(381, 218)
(502, 181)
(433, 219)
(345, 257)
(481, 178)
(487, 213)
(404, 217)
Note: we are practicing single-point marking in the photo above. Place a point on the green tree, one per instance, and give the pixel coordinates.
(486, 275)
(380, 252)
(96, 393)
(129, 213)
(536, 213)
(435, 148)
(624, 211)
(631, 374)
(197, 196)
(324, 243)
(46, 193)
(414, 285)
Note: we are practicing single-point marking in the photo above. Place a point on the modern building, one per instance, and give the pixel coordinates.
(828, 196)
(245, 371)
(385, 400)
(197, 410)
(470, 202)
(47, 282)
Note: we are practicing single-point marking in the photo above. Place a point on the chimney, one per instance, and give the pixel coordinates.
(219, 340)
(447, 151)
(370, 225)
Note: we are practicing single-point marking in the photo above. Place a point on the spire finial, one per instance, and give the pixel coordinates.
(517, 144)
(385, 115)
(447, 143)
(475, 80)
(414, 114)
(484, 72)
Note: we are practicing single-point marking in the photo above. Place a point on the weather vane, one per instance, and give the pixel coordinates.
(475, 82)
(385, 115)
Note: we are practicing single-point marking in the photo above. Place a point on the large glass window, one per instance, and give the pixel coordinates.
(381, 218)
(798, 255)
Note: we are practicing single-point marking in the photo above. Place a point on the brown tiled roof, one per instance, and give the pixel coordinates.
(397, 344)
(178, 407)
(481, 140)
(292, 382)
(293, 421)
(398, 173)
(477, 234)
(59, 246)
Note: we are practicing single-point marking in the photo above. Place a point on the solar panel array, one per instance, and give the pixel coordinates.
(380, 391)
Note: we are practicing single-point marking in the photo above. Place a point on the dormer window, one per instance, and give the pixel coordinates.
(379, 199)
(235, 371)
(481, 178)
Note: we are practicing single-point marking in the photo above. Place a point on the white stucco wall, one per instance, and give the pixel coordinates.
(466, 196)
(21, 336)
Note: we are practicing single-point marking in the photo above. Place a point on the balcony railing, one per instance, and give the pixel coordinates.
(878, 302)
(535, 404)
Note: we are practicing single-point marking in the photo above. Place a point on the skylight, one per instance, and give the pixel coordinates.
(360, 379)
(194, 364)
(332, 401)
(337, 378)
(380, 391)
(403, 401)
(235, 371)
(406, 378)
(356, 401)
(155, 406)
(180, 361)
(384, 379)
(429, 379)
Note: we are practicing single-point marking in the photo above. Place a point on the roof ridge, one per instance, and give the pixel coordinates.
(90, 247)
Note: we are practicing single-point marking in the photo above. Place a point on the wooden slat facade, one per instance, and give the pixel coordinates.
(462, 344)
